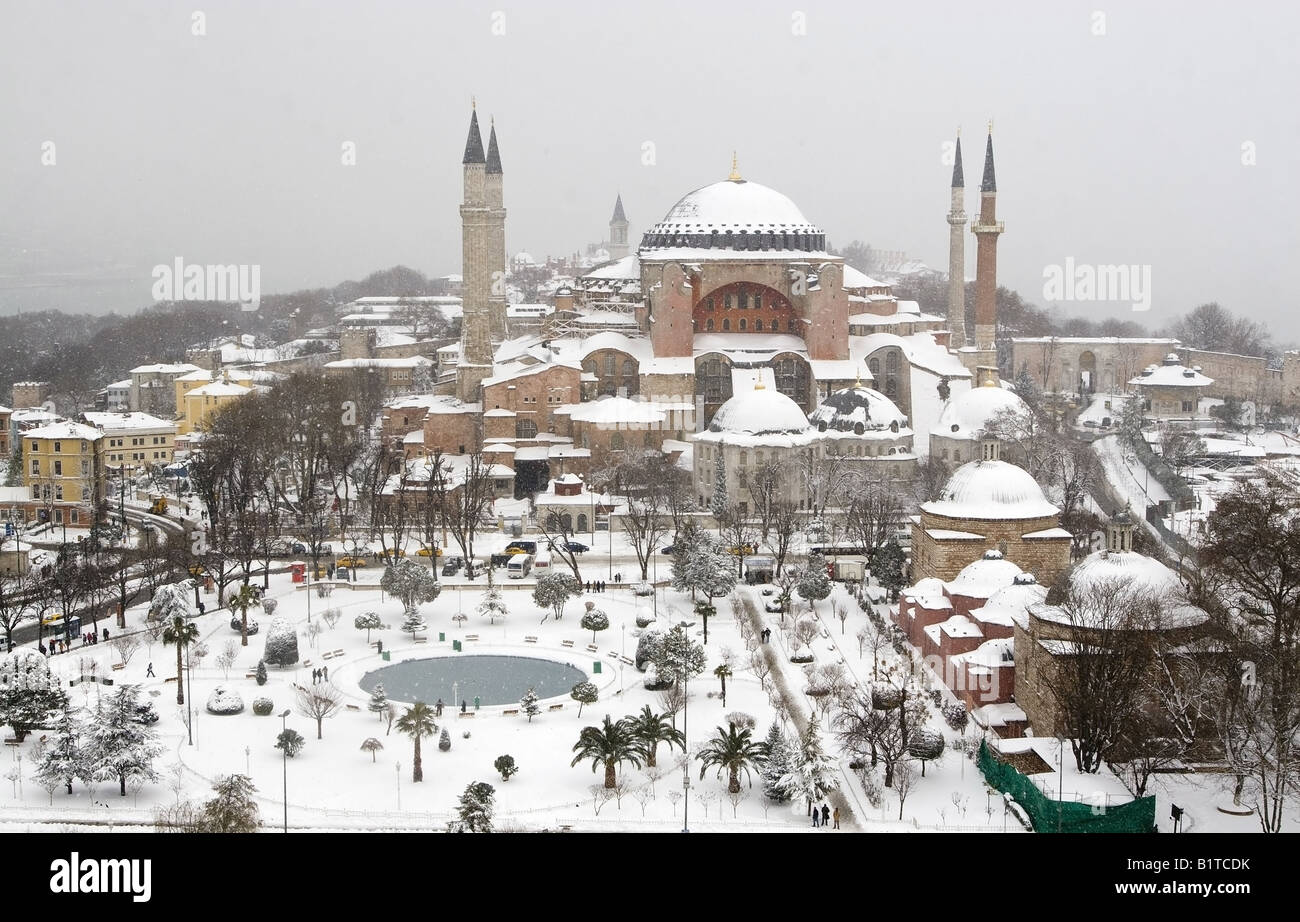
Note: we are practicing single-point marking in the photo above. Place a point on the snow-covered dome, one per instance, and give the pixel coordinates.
(858, 410)
(991, 490)
(761, 411)
(1130, 572)
(984, 577)
(735, 214)
(967, 414)
(1011, 602)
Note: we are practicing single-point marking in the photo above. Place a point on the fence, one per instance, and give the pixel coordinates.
(1049, 815)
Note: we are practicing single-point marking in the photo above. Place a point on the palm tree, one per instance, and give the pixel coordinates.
(609, 745)
(651, 729)
(417, 723)
(723, 672)
(247, 597)
(734, 751)
(182, 633)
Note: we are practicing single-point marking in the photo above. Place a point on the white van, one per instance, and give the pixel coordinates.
(542, 561)
(520, 566)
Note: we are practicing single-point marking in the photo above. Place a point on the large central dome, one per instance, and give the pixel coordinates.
(759, 412)
(735, 215)
(991, 490)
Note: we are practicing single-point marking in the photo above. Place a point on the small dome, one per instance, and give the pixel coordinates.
(1131, 568)
(984, 577)
(1130, 572)
(967, 414)
(761, 411)
(1011, 602)
(991, 490)
(859, 410)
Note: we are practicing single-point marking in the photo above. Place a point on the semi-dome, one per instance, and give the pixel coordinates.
(858, 410)
(735, 214)
(761, 411)
(967, 414)
(991, 490)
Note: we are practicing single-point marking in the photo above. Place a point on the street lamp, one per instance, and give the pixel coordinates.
(399, 786)
(284, 764)
(686, 763)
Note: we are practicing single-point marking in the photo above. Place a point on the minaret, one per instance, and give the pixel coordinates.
(957, 255)
(476, 270)
(986, 229)
(618, 231)
(495, 196)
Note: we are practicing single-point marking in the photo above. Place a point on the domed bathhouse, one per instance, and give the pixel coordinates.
(989, 504)
(965, 420)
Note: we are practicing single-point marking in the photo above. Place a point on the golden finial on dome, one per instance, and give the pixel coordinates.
(959, 131)
(759, 385)
(735, 169)
(990, 126)
(473, 103)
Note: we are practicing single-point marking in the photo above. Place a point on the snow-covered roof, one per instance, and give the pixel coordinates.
(621, 411)
(64, 430)
(855, 279)
(949, 534)
(519, 370)
(1011, 602)
(991, 490)
(960, 626)
(759, 411)
(178, 368)
(858, 410)
(220, 389)
(982, 578)
(966, 415)
(1171, 374)
(920, 348)
(1132, 573)
(414, 361)
(629, 267)
(733, 205)
(114, 421)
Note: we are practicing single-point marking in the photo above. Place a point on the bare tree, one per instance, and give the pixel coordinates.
(468, 501)
(905, 779)
(318, 702)
(125, 645)
(767, 485)
(646, 522)
(874, 511)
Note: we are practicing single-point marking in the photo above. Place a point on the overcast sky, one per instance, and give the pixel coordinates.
(1124, 147)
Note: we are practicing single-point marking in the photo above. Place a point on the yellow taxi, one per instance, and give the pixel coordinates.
(352, 562)
(426, 552)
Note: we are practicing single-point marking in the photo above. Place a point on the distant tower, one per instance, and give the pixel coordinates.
(618, 231)
(957, 255)
(476, 223)
(495, 193)
(986, 229)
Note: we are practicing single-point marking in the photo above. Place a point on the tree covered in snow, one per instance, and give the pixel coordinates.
(281, 643)
(175, 600)
(367, 621)
(593, 619)
(554, 589)
(372, 746)
(118, 747)
(378, 703)
(64, 759)
(261, 672)
(528, 704)
(679, 657)
(444, 741)
(651, 729)
(734, 751)
(925, 745)
(701, 566)
(224, 700)
(720, 502)
(647, 646)
(812, 770)
(318, 702)
(291, 741)
(888, 567)
(411, 583)
(778, 765)
(234, 809)
(814, 582)
(413, 623)
(417, 722)
(493, 606)
(28, 693)
(475, 808)
(584, 693)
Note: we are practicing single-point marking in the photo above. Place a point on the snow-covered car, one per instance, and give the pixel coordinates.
(773, 607)
(767, 590)
(238, 626)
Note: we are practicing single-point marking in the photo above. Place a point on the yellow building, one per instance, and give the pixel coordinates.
(201, 402)
(64, 472)
(185, 384)
(134, 440)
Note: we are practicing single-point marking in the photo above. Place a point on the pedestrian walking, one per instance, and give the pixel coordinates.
(41, 647)
(105, 635)
(438, 707)
(315, 676)
(618, 577)
(325, 673)
(835, 815)
(816, 817)
(826, 814)
(463, 705)
(149, 672)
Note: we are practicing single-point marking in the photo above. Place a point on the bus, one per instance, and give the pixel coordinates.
(520, 566)
(541, 560)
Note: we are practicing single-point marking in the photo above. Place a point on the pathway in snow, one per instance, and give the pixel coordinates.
(793, 701)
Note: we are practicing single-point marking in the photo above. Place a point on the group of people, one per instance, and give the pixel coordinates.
(320, 675)
(594, 585)
(63, 646)
(766, 634)
(823, 815)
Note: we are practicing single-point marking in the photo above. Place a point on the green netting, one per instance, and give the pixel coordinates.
(1045, 813)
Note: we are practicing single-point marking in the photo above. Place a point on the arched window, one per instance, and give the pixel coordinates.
(525, 429)
(874, 365)
(758, 324)
(742, 324)
(566, 521)
(726, 324)
(708, 325)
(629, 368)
(582, 521)
(616, 442)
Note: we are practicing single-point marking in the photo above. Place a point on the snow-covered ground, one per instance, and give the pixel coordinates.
(1128, 476)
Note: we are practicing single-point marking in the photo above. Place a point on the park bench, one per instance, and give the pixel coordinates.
(465, 714)
(471, 637)
(250, 675)
(612, 654)
(117, 666)
(530, 640)
(627, 660)
(327, 655)
(306, 662)
(338, 652)
(556, 707)
(591, 647)
(170, 678)
(567, 643)
(422, 640)
(510, 713)
(352, 707)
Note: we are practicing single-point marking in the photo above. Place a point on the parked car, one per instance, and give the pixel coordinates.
(352, 562)
(767, 590)
(426, 552)
(521, 547)
(670, 549)
(237, 626)
(743, 549)
(576, 547)
(773, 606)
(299, 547)
(451, 566)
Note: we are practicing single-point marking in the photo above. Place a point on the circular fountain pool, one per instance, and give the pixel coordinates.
(493, 679)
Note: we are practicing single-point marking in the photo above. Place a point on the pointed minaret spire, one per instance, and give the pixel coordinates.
(958, 179)
(990, 183)
(473, 143)
(493, 155)
(618, 209)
